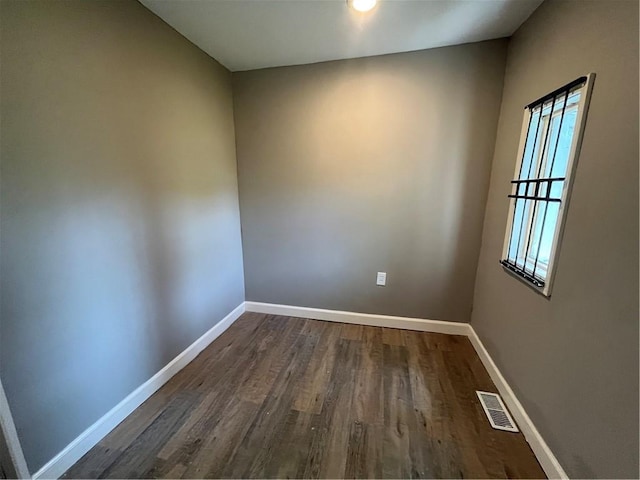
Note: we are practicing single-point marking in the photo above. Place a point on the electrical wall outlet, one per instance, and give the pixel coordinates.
(381, 279)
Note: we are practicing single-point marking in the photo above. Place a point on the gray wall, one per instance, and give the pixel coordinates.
(378, 164)
(120, 223)
(573, 360)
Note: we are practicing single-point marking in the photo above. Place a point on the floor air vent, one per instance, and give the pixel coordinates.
(497, 413)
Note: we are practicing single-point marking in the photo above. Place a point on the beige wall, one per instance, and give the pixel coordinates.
(378, 164)
(120, 224)
(573, 360)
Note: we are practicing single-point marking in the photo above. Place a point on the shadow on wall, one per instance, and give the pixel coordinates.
(103, 288)
(120, 226)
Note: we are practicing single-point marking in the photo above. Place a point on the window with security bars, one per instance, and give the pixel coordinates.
(551, 137)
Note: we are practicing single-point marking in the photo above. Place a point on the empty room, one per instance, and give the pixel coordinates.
(319, 239)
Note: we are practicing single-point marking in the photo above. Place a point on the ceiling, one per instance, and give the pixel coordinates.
(250, 34)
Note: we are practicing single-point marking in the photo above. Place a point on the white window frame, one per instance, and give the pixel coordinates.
(572, 161)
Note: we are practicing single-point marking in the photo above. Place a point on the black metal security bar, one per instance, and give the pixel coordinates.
(567, 88)
(537, 181)
(553, 159)
(518, 271)
(534, 189)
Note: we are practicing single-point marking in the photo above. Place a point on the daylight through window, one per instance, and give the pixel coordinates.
(542, 179)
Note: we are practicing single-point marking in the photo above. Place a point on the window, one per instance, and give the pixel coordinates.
(549, 145)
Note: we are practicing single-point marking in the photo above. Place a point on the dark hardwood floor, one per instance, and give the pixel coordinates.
(291, 398)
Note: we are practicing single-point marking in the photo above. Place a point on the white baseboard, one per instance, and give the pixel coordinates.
(543, 453)
(59, 464)
(422, 325)
(90, 437)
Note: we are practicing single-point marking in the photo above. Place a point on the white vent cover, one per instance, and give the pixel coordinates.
(496, 412)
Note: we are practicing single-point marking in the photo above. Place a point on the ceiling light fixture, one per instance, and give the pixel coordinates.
(362, 5)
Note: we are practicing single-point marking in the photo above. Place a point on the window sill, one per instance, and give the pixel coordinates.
(543, 291)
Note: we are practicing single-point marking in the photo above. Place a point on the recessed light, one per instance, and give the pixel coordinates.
(362, 5)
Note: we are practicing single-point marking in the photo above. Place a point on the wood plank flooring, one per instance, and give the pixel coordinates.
(281, 397)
